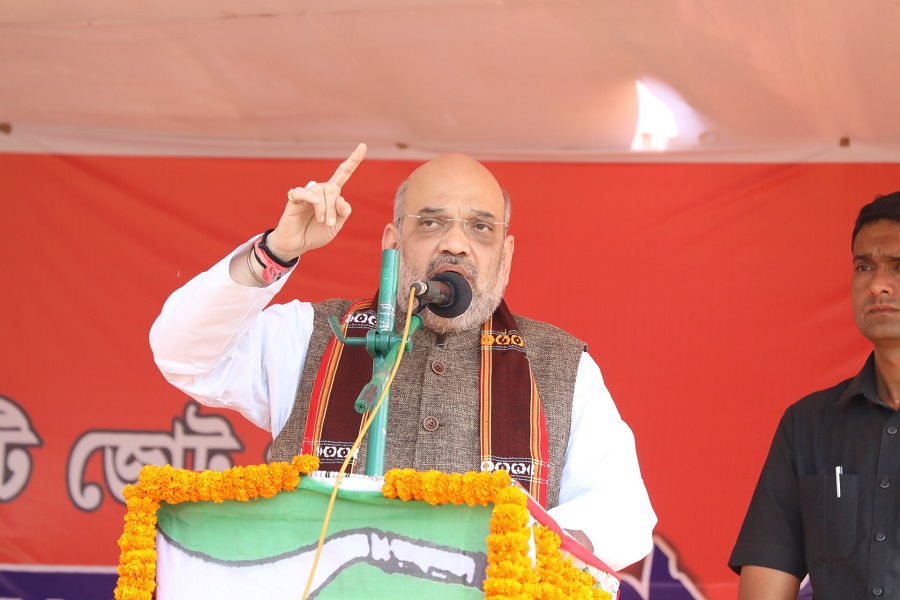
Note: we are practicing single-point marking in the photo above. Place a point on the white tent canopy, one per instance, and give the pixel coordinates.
(499, 79)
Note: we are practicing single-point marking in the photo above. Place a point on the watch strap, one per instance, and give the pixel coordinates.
(273, 267)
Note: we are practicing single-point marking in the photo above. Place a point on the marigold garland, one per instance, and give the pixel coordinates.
(137, 560)
(512, 573)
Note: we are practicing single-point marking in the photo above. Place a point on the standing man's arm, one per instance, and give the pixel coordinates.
(763, 583)
(769, 553)
(602, 494)
(312, 217)
(214, 341)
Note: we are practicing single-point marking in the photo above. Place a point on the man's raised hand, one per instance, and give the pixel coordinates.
(314, 213)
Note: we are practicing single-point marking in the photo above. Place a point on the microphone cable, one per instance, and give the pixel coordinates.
(355, 447)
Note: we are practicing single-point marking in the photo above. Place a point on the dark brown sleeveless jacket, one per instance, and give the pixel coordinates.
(439, 379)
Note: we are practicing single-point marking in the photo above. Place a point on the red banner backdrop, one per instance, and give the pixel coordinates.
(711, 295)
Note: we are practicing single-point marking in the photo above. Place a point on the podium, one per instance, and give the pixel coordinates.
(254, 532)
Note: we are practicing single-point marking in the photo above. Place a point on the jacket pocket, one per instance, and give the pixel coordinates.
(829, 521)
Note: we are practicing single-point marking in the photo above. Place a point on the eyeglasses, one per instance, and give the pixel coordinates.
(478, 230)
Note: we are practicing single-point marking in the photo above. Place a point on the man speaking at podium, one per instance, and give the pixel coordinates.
(467, 398)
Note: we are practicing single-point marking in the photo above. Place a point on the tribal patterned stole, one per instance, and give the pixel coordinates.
(513, 428)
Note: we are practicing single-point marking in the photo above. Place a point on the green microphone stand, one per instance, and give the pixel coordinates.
(383, 345)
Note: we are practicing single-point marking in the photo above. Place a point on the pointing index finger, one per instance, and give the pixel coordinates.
(346, 168)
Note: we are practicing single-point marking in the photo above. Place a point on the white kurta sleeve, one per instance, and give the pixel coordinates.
(602, 492)
(214, 341)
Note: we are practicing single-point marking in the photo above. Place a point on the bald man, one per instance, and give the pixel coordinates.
(543, 413)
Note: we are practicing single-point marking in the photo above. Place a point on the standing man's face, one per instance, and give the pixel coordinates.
(876, 282)
(443, 192)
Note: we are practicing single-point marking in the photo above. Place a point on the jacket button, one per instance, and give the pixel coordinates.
(892, 429)
(885, 483)
(880, 536)
(438, 367)
(877, 591)
(430, 423)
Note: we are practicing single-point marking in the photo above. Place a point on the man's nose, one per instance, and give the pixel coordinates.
(883, 282)
(455, 240)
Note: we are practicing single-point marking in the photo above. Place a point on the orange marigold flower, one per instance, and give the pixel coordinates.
(306, 463)
(137, 560)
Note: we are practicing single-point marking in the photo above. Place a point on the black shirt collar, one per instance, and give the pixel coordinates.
(863, 386)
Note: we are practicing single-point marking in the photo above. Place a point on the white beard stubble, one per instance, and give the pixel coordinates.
(487, 291)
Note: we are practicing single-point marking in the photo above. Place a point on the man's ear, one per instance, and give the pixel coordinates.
(509, 245)
(390, 239)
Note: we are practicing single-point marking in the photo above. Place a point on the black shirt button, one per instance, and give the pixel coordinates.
(885, 483)
(430, 423)
(892, 430)
(438, 367)
(880, 537)
(877, 591)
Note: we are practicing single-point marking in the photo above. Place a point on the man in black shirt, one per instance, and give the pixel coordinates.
(828, 500)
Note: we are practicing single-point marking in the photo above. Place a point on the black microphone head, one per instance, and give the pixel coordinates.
(462, 295)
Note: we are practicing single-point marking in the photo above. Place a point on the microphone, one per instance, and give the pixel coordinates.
(447, 294)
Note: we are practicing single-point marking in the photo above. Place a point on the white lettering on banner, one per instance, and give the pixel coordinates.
(208, 438)
(16, 435)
